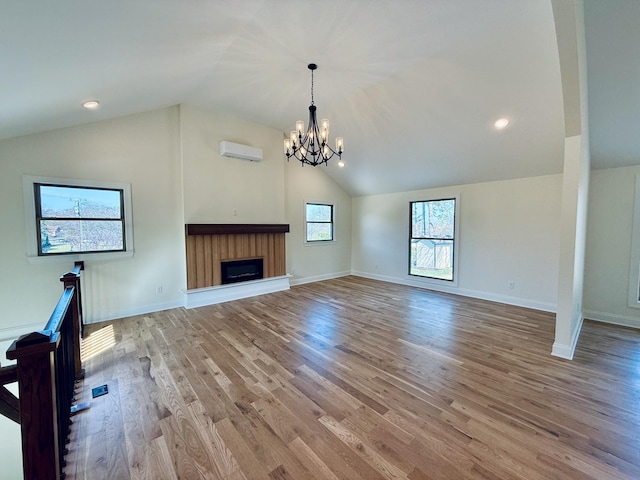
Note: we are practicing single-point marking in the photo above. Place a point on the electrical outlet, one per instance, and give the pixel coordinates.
(511, 284)
(159, 290)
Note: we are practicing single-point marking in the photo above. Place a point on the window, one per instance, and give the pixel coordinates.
(319, 222)
(66, 217)
(432, 239)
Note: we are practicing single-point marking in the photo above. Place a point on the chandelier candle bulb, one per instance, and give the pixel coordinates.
(339, 145)
(300, 127)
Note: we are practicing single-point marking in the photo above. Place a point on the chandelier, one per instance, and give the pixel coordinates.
(311, 146)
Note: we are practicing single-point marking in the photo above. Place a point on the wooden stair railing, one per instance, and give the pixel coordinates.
(48, 365)
(9, 404)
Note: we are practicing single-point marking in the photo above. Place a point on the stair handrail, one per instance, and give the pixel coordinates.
(48, 365)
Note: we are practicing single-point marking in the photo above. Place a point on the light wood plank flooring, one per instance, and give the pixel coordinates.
(360, 380)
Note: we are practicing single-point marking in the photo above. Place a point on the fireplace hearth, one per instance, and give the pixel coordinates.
(241, 270)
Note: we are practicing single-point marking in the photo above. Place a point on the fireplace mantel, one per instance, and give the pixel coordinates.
(234, 228)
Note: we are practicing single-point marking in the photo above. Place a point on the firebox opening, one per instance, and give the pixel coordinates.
(241, 270)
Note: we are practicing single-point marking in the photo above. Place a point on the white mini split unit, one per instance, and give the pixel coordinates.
(236, 150)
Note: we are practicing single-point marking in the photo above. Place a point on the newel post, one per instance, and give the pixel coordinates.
(34, 354)
(73, 279)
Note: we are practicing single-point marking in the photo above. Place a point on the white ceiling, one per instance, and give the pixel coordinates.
(413, 86)
(613, 64)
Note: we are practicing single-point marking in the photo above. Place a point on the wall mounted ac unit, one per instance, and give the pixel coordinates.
(236, 150)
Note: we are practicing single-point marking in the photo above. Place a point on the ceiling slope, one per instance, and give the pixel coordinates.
(413, 86)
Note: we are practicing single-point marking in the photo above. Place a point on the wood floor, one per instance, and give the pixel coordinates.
(356, 379)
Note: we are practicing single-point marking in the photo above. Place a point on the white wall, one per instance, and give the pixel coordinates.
(316, 262)
(220, 189)
(508, 232)
(142, 150)
(608, 249)
(170, 157)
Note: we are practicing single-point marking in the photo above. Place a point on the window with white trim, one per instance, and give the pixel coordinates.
(319, 222)
(432, 238)
(68, 216)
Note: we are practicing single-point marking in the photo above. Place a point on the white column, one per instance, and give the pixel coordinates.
(569, 20)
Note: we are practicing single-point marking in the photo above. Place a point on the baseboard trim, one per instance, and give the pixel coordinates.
(506, 299)
(566, 351)
(143, 310)
(235, 291)
(614, 319)
(317, 278)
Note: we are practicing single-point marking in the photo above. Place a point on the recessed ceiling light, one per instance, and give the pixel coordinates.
(91, 104)
(501, 123)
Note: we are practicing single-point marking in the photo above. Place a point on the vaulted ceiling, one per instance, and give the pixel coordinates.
(413, 86)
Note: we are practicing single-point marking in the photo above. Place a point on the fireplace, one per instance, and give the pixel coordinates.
(241, 270)
(208, 245)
